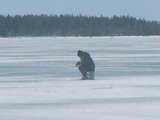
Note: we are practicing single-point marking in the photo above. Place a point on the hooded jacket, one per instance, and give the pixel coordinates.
(87, 62)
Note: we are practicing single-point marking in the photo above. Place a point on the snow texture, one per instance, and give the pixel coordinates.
(39, 80)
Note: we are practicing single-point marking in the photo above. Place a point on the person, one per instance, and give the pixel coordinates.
(86, 65)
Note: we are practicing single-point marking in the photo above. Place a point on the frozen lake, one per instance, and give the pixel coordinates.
(38, 80)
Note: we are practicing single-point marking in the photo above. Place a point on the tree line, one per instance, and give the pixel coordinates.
(71, 25)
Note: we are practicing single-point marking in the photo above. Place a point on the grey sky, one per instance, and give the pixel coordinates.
(147, 9)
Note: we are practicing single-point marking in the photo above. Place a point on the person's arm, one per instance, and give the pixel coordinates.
(78, 63)
(83, 61)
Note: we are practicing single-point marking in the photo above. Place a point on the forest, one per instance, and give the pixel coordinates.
(75, 25)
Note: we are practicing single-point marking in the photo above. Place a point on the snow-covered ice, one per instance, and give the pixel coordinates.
(38, 80)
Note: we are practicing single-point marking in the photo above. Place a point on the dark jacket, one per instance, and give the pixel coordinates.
(86, 62)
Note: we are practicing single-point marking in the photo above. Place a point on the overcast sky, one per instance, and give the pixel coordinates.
(147, 9)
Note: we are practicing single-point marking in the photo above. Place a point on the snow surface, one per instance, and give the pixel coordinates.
(39, 80)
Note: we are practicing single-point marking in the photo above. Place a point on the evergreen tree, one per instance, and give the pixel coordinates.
(70, 25)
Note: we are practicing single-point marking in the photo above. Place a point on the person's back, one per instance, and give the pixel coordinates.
(88, 61)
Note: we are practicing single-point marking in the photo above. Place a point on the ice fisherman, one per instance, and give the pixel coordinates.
(86, 65)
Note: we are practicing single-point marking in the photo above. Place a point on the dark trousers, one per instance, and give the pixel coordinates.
(83, 72)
